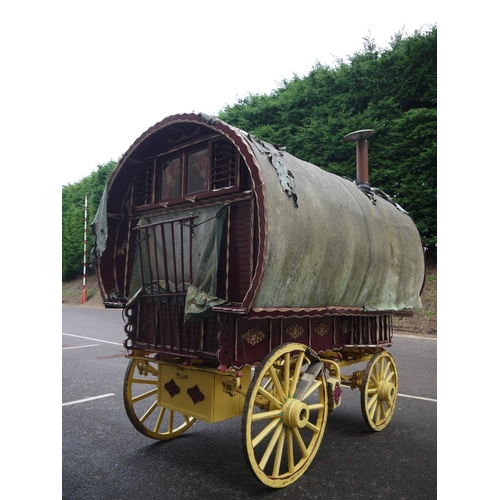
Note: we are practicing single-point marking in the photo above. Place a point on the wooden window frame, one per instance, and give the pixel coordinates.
(224, 167)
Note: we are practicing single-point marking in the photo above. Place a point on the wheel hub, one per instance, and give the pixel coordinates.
(387, 392)
(295, 413)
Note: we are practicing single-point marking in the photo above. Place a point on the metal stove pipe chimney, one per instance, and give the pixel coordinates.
(361, 139)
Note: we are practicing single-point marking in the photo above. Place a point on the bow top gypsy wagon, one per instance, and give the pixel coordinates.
(248, 279)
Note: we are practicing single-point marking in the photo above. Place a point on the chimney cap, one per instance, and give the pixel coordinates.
(359, 134)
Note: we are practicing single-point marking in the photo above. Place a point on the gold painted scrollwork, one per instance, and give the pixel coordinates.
(294, 331)
(345, 326)
(321, 329)
(253, 336)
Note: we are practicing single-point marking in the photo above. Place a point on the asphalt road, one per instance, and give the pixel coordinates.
(104, 457)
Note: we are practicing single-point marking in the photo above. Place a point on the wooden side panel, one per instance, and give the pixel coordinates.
(365, 330)
(159, 327)
(245, 341)
(239, 250)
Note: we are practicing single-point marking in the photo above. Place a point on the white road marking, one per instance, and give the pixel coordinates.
(417, 397)
(87, 399)
(408, 396)
(414, 336)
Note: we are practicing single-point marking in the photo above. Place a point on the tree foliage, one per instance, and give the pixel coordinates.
(73, 217)
(392, 90)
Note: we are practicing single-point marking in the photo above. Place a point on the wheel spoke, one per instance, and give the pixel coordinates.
(316, 406)
(289, 442)
(378, 412)
(300, 441)
(286, 375)
(144, 395)
(372, 400)
(266, 414)
(277, 384)
(269, 397)
(313, 427)
(267, 430)
(279, 453)
(384, 408)
(374, 379)
(148, 412)
(267, 383)
(159, 420)
(297, 372)
(385, 370)
(311, 389)
(270, 447)
(144, 381)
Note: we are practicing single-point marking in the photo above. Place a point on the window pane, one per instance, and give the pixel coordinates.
(197, 171)
(171, 180)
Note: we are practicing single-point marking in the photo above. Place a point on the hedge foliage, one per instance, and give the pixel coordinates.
(73, 218)
(391, 90)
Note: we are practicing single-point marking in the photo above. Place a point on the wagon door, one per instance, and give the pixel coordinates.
(174, 282)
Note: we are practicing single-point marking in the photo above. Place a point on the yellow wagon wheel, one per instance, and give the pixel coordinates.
(285, 414)
(379, 391)
(140, 396)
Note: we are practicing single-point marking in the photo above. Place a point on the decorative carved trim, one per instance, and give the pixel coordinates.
(294, 331)
(172, 388)
(345, 326)
(321, 329)
(253, 336)
(337, 393)
(195, 394)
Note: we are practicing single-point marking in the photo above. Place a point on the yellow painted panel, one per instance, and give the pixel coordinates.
(199, 392)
